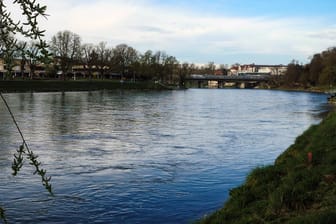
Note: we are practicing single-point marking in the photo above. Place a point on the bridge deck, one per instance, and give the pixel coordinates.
(241, 78)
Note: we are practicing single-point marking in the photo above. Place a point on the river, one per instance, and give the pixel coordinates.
(143, 156)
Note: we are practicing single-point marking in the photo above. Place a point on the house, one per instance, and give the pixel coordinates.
(21, 72)
(257, 69)
(233, 70)
(15, 69)
(247, 68)
(272, 69)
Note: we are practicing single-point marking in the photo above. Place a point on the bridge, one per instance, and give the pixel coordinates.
(241, 81)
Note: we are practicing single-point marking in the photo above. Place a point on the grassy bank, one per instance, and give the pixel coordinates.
(296, 189)
(83, 85)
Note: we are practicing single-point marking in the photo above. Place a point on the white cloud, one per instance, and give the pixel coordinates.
(186, 34)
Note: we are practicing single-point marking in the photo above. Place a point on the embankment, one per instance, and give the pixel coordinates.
(300, 187)
(81, 85)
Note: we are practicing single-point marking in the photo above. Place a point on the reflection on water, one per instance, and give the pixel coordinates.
(143, 157)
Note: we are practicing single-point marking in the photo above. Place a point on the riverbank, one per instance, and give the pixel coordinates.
(299, 188)
(91, 85)
(315, 89)
(71, 85)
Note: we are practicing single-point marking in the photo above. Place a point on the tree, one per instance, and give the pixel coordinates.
(185, 70)
(328, 76)
(31, 11)
(104, 58)
(146, 65)
(159, 59)
(8, 50)
(22, 56)
(89, 58)
(294, 71)
(315, 68)
(65, 47)
(33, 57)
(132, 57)
(170, 67)
(124, 56)
(210, 68)
(27, 27)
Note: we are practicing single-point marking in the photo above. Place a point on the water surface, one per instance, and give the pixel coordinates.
(143, 157)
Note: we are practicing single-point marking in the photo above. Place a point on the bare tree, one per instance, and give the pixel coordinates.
(210, 68)
(89, 58)
(104, 57)
(170, 67)
(33, 57)
(159, 59)
(65, 47)
(124, 56)
(146, 62)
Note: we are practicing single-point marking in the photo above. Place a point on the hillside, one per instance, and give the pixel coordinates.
(295, 189)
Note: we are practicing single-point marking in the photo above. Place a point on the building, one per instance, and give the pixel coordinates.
(15, 70)
(233, 70)
(272, 69)
(22, 71)
(257, 69)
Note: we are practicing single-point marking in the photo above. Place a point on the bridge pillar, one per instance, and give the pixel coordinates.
(242, 85)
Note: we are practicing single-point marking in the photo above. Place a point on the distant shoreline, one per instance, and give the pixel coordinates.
(71, 85)
(16, 86)
(301, 89)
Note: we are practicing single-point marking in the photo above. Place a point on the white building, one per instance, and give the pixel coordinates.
(255, 69)
(272, 69)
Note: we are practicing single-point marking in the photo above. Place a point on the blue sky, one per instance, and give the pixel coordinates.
(272, 8)
(199, 31)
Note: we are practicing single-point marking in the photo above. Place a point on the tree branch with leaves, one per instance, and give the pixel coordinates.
(28, 28)
(31, 11)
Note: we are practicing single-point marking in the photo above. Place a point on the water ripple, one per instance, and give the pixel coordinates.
(144, 157)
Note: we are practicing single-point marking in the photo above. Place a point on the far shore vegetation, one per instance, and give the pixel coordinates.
(66, 58)
(320, 73)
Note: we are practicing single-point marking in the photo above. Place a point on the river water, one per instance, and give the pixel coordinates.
(143, 157)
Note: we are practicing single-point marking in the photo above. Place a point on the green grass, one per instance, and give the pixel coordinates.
(292, 190)
(81, 85)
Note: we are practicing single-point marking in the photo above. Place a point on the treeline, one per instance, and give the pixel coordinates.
(321, 71)
(68, 55)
